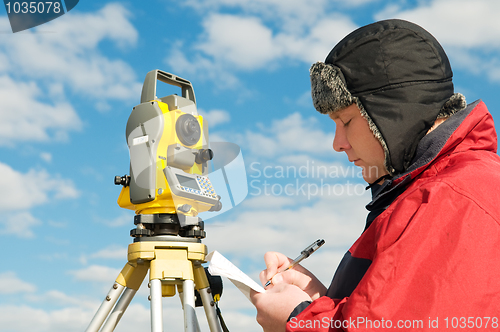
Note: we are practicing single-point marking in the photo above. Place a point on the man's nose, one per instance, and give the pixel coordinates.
(340, 141)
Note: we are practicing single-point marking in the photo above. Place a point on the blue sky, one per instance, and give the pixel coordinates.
(67, 88)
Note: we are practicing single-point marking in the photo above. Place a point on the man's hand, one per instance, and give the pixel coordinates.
(276, 304)
(288, 289)
(298, 276)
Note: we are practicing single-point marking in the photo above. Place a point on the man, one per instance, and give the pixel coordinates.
(428, 257)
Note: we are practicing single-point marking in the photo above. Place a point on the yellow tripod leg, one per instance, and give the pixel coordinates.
(203, 287)
(132, 274)
(129, 279)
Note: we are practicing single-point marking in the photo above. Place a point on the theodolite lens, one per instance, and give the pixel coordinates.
(188, 129)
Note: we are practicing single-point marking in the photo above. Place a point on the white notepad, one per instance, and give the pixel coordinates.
(221, 266)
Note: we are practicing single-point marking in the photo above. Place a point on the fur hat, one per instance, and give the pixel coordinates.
(400, 78)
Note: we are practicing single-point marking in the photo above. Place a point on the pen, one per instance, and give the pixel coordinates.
(303, 255)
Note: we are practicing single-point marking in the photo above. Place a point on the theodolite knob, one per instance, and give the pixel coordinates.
(204, 155)
(122, 180)
(184, 208)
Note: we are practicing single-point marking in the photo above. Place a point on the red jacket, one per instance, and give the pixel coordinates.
(434, 251)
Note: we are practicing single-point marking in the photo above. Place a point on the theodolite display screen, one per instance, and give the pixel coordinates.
(192, 186)
(188, 182)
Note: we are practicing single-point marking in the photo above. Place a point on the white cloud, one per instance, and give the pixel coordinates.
(76, 312)
(323, 36)
(305, 166)
(23, 191)
(266, 33)
(468, 30)
(26, 318)
(298, 10)
(292, 14)
(292, 134)
(263, 202)
(125, 218)
(95, 273)
(460, 23)
(46, 156)
(248, 43)
(242, 42)
(66, 51)
(202, 67)
(19, 224)
(38, 65)
(11, 284)
(56, 298)
(111, 22)
(215, 117)
(23, 117)
(77, 318)
(110, 252)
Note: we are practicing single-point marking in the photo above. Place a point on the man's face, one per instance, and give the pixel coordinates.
(354, 137)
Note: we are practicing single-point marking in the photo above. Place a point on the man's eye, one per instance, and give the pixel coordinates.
(347, 123)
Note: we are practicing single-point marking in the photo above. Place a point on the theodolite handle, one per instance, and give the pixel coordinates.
(149, 87)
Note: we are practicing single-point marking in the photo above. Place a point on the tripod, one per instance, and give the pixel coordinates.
(172, 261)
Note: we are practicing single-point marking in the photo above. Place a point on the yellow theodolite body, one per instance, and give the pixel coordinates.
(168, 143)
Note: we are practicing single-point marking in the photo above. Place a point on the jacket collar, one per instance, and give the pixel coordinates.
(460, 131)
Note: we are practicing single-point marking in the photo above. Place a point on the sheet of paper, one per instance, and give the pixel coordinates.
(221, 266)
